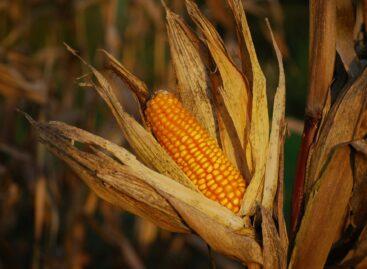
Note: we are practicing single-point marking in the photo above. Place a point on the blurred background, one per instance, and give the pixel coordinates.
(48, 217)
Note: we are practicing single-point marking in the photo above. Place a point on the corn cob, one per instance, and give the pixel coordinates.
(192, 148)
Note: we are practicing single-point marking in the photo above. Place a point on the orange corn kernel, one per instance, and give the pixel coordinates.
(192, 148)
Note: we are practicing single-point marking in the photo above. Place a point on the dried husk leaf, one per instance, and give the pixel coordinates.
(274, 250)
(324, 212)
(219, 237)
(279, 212)
(125, 182)
(358, 201)
(274, 255)
(108, 178)
(259, 131)
(135, 84)
(339, 126)
(235, 91)
(191, 72)
(344, 31)
(276, 136)
(357, 255)
(227, 133)
(322, 54)
(142, 141)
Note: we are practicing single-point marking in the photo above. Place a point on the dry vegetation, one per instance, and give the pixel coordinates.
(49, 57)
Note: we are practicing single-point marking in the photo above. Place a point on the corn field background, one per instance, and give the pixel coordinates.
(48, 217)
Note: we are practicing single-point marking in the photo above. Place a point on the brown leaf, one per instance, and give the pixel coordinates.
(142, 141)
(344, 31)
(227, 132)
(191, 72)
(322, 54)
(339, 126)
(108, 178)
(274, 254)
(276, 136)
(235, 92)
(356, 258)
(259, 130)
(135, 84)
(324, 211)
(220, 238)
(358, 201)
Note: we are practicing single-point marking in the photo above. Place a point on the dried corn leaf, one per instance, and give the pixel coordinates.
(223, 240)
(339, 127)
(206, 205)
(234, 93)
(324, 211)
(143, 142)
(135, 84)
(358, 201)
(191, 72)
(116, 176)
(259, 132)
(276, 135)
(108, 178)
(274, 255)
(227, 134)
(344, 32)
(275, 250)
(357, 255)
(322, 54)
(279, 212)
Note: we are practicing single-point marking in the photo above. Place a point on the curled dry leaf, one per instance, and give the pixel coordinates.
(339, 126)
(188, 58)
(324, 212)
(259, 130)
(234, 92)
(274, 255)
(359, 198)
(356, 257)
(135, 84)
(108, 178)
(344, 32)
(276, 136)
(117, 177)
(142, 141)
(275, 252)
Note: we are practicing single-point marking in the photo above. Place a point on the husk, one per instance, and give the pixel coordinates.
(344, 32)
(144, 144)
(134, 83)
(324, 212)
(117, 177)
(191, 72)
(339, 126)
(276, 136)
(259, 130)
(274, 246)
(234, 92)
